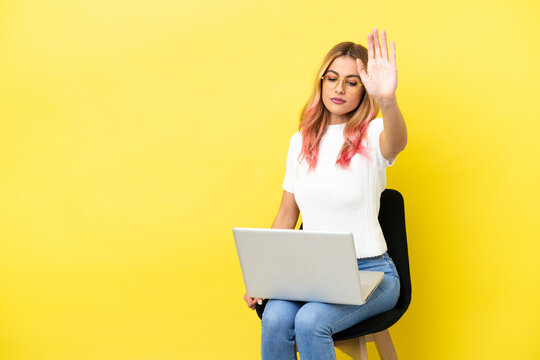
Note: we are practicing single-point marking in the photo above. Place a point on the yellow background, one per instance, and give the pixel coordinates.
(135, 134)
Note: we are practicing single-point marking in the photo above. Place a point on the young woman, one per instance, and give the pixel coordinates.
(335, 173)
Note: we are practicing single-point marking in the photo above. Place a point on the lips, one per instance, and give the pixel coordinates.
(337, 100)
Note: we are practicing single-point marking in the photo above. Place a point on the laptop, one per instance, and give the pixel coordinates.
(303, 265)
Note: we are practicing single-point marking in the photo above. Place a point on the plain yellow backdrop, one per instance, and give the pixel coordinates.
(134, 135)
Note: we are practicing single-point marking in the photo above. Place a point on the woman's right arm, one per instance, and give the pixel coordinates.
(286, 218)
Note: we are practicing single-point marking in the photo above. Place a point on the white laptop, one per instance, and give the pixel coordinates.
(303, 265)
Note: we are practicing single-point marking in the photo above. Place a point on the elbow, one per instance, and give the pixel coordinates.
(398, 146)
(400, 143)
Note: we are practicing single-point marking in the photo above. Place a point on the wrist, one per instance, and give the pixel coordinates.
(386, 103)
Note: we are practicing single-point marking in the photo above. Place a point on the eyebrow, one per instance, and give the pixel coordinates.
(348, 76)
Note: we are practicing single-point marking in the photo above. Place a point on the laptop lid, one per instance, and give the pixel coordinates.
(303, 265)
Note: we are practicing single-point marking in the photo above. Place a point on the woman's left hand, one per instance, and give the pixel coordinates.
(380, 79)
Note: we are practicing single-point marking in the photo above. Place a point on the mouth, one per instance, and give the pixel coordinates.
(337, 100)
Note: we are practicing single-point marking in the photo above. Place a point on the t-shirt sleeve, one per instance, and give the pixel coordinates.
(291, 169)
(374, 131)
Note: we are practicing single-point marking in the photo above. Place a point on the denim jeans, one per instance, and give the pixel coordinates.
(312, 324)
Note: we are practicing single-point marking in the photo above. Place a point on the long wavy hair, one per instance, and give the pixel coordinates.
(315, 116)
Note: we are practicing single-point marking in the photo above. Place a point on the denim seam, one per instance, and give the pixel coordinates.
(396, 283)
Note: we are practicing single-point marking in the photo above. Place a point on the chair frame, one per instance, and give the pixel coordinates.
(353, 341)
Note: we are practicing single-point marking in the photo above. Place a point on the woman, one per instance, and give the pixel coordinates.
(335, 173)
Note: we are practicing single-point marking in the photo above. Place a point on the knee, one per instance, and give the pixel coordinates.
(270, 320)
(274, 320)
(308, 324)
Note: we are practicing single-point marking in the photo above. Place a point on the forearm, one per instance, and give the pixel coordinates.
(394, 125)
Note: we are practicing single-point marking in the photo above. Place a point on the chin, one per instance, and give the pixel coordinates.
(340, 110)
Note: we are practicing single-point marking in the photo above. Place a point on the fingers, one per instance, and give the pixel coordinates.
(249, 301)
(384, 48)
(378, 50)
(376, 43)
(393, 52)
(252, 302)
(371, 49)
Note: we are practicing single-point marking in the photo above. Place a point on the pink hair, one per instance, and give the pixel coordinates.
(314, 116)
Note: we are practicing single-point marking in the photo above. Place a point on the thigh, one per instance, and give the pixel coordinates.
(333, 318)
(337, 317)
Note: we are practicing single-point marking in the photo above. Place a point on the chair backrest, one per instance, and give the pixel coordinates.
(392, 221)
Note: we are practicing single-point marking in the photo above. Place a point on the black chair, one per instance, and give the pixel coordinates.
(353, 340)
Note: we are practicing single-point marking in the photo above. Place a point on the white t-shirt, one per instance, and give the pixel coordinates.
(331, 198)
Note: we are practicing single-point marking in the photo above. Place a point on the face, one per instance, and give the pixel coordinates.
(341, 67)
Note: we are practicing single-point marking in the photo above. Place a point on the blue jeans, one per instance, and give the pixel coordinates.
(312, 324)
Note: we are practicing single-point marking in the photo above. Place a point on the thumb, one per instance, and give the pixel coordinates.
(361, 69)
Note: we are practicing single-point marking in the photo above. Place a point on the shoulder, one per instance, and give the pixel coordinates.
(374, 130)
(296, 139)
(376, 124)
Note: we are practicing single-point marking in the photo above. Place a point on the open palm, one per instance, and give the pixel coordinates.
(380, 79)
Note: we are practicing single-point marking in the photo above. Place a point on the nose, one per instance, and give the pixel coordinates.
(340, 86)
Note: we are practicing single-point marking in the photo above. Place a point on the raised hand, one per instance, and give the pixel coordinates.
(380, 79)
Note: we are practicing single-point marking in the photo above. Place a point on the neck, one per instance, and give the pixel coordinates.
(336, 119)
